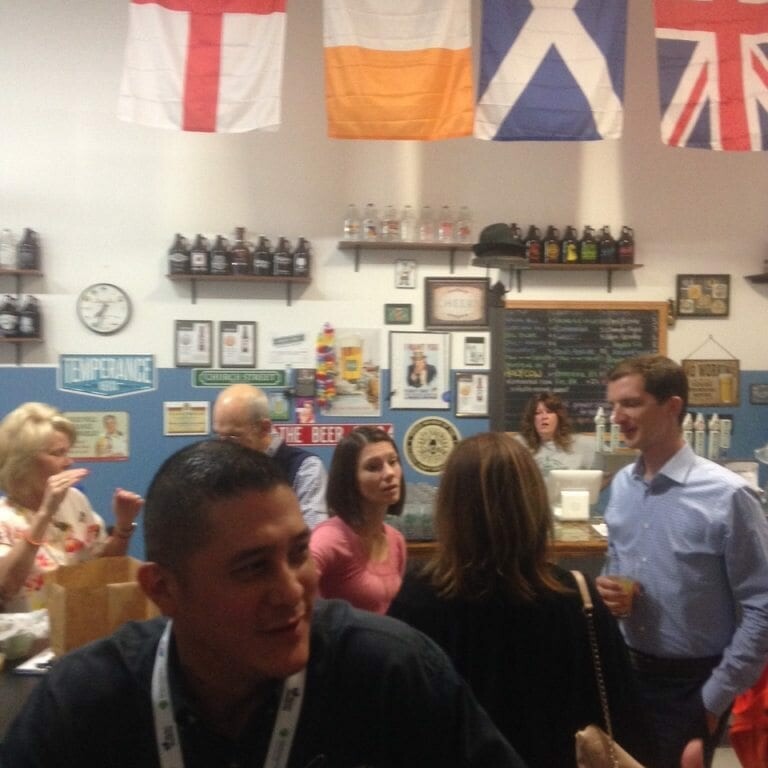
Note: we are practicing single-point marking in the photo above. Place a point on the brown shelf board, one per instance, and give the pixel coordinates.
(401, 245)
(240, 278)
(761, 278)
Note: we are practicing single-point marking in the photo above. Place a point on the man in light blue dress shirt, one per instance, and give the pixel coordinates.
(693, 536)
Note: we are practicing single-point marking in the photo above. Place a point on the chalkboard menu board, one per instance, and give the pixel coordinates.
(568, 348)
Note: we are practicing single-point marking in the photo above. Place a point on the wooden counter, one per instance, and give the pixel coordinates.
(572, 539)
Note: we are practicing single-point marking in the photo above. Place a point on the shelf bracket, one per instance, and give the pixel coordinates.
(453, 259)
(193, 283)
(288, 293)
(357, 258)
(608, 280)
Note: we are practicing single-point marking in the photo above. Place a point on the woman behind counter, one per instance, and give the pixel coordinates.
(510, 620)
(45, 522)
(358, 557)
(546, 430)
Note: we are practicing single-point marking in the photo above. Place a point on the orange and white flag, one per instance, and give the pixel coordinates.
(398, 70)
(204, 65)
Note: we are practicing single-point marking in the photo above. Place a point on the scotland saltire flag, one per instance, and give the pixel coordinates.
(551, 70)
(713, 73)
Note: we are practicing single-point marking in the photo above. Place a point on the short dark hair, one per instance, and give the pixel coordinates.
(662, 377)
(343, 494)
(190, 481)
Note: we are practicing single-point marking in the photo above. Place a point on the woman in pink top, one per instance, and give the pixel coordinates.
(358, 557)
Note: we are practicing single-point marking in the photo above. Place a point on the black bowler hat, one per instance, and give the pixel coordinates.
(499, 240)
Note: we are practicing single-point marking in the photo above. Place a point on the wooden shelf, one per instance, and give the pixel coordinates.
(401, 245)
(195, 279)
(761, 278)
(19, 274)
(519, 267)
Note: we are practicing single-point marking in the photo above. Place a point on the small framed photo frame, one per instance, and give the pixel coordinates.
(398, 314)
(758, 394)
(193, 343)
(237, 344)
(703, 295)
(419, 370)
(471, 398)
(476, 351)
(712, 382)
(405, 273)
(456, 303)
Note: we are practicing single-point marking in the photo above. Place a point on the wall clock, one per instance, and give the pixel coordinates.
(104, 308)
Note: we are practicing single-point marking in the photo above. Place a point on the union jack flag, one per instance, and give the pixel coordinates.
(713, 73)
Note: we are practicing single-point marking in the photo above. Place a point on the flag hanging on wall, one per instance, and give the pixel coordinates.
(713, 73)
(398, 70)
(204, 65)
(551, 70)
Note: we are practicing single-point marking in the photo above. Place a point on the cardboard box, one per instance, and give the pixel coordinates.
(90, 600)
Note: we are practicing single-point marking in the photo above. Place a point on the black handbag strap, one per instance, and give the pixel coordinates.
(589, 613)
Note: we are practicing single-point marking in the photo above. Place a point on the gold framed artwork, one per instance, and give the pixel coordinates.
(456, 303)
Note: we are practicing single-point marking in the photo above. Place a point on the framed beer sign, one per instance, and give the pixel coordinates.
(712, 382)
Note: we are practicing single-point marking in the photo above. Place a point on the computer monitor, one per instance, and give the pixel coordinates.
(588, 481)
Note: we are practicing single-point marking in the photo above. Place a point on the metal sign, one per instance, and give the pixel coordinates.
(106, 375)
(223, 377)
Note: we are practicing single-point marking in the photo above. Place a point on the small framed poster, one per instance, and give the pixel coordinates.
(475, 351)
(471, 394)
(456, 303)
(712, 382)
(758, 394)
(237, 344)
(703, 295)
(193, 347)
(405, 273)
(398, 314)
(419, 366)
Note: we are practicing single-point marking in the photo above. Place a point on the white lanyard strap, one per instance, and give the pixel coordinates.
(167, 734)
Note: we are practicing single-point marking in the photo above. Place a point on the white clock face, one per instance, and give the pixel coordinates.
(104, 308)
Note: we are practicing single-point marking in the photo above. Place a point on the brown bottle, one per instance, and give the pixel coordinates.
(627, 246)
(178, 256)
(301, 257)
(588, 246)
(262, 257)
(534, 248)
(552, 245)
(239, 255)
(569, 248)
(9, 316)
(28, 250)
(200, 257)
(282, 265)
(606, 247)
(220, 256)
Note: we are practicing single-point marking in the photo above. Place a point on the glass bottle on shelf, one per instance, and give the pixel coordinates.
(371, 224)
(262, 257)
(426, 225)
(219, 256)
(552, 245)
(178, 256)
(7, 250)
(352, 223)
(28, 250)
(29, 317)
(627, 246)
(282, 263)
(240, 254)
(534, 248)
(606, 247)
(9, 316)
(699, 434)
(445, 225)
(390, 224)
(200, 257)
(408, 225)
(588, 246)
(301, 257)
(569, 248)
(464, 225)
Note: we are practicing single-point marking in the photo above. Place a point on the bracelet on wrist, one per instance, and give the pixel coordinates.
(124, 533)
(32, 541)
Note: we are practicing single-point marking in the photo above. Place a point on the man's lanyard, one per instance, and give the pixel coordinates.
(167, 734)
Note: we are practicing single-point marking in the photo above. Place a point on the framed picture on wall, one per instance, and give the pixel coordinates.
(476, 351)
(193, 344)
(703, 295)
(471, 394)
(456, 303)
(398, 314)
(237, 344)
(419, 370)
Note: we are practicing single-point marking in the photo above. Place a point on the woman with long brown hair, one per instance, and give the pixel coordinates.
(511, 620)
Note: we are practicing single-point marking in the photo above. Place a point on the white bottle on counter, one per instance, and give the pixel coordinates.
(614, 438)
(713, 444)
(600, 430)
(688, 429)
(699, 435)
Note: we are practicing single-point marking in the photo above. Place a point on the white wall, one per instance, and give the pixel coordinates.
(107, 196)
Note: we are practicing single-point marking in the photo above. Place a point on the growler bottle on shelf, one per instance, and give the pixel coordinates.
(9, 316)
(588, 246)
(262, 257)
(200, 257)
(178, 256)
(219, 256)
(569, 248)
(606, 247)
(29, 317)
(282, 264)
(552, 245)
(28, 250)
(239, 255)
(7, 250)
(517, 235)
(534, 248)
(301, 258)
(626, 246)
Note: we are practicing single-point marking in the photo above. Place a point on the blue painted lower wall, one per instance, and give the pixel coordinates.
(149, 447)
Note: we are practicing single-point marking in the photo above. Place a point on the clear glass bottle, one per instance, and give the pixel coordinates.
(390, 224)
(699, 435)
(464, 225)
(427, 225)
(408, 225)
(445, 225)
(713, 437)
(352, 223)
(371, 223)
(688, 429)
(600, 430)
